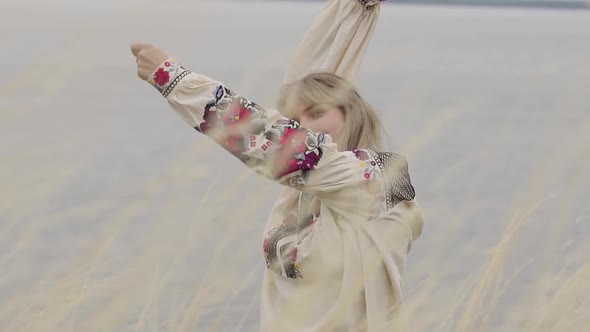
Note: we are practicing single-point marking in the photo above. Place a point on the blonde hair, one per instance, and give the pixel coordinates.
(362, 127)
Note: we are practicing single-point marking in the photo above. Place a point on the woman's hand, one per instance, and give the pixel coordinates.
(148, 58)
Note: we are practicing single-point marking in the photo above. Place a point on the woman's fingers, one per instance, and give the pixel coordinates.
(137, 47)
(148, 58)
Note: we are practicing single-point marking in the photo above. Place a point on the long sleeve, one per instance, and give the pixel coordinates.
(264, 140)
(337, 40)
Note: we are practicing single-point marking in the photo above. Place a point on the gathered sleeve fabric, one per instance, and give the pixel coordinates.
(337, 40)
(263, 139)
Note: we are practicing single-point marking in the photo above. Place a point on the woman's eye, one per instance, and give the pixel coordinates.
(317, 114)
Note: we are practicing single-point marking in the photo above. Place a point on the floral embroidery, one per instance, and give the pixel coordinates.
(362, 154)
(294, 254)
(368, 165)
(240, 126)
(211, 121)
(374, 184)
(167, 75)
(226, 110)
(266, 245)
(281, 251)
(237, 114)
(278, 253)
(299, 150)
(161, 77)
(232, 121)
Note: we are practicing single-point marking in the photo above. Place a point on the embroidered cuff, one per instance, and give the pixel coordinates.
(369, 3)
(167, 76)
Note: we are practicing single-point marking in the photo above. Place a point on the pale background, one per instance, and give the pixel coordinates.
(117, 216)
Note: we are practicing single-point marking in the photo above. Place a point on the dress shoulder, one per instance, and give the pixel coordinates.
(398, 185)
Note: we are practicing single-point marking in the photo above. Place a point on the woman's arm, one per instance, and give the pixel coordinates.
(337, 40)
(263, 139)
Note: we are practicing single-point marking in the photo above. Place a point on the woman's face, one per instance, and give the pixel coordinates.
(320, 118)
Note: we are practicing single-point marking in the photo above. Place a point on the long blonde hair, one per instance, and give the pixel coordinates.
(362, 127)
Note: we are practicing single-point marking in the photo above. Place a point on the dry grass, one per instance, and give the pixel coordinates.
(176, 248)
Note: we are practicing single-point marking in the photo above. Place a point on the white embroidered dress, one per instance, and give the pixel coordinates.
(338, 266)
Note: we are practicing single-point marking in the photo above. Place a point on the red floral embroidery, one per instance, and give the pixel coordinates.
(240, 124)
(266, 245)
(294, 139)
(361, 154)
(234, 144)
(236, 114)
(161, 77)
(367, 176)
(294, 254)
(294, 153)
(211, 121)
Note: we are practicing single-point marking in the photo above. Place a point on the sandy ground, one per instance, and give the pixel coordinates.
(116, 216)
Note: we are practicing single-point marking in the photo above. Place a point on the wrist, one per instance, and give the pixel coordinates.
(166, 76)
(368, 4)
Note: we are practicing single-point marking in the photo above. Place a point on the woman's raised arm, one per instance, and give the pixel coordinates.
(337, 40)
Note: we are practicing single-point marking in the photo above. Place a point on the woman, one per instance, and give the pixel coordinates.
(336, 242)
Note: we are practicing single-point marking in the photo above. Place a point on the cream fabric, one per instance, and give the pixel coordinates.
(338, 266)
(337, 40)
